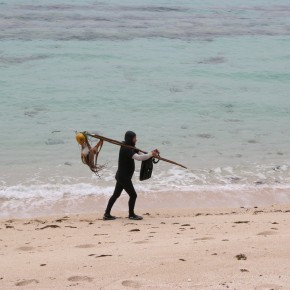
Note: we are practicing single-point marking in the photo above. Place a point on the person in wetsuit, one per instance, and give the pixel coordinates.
(126, 168)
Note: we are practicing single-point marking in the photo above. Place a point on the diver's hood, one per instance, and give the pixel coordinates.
(129, 138)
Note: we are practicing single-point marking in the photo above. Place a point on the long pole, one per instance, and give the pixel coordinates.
(131, 147)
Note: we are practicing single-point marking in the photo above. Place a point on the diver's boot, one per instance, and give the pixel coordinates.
(135, 217)
(108, 217)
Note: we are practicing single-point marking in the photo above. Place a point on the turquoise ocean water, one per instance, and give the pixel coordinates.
(206, 82)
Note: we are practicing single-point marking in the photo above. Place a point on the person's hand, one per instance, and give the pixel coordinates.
(155, 153)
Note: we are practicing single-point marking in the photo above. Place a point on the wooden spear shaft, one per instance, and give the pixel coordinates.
(131, 147)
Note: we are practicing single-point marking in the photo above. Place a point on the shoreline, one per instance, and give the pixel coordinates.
(146, 201)
(220, 248)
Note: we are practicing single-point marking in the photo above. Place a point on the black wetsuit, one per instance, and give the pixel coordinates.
(126, 168)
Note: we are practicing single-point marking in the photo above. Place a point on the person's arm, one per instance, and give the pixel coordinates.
(142, 157)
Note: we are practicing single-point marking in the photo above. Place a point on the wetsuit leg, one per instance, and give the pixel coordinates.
(129, 188)
(117, 192)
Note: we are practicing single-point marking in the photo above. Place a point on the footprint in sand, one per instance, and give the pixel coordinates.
(9, 227)
(100, 234)
(204, 239)
(85, 246)
(99, 256)
(266, 233)
(80, 279)
(48, 226)
(27, 282)
(25, 248)
(102, 256)
(134, 230)
(132, 284)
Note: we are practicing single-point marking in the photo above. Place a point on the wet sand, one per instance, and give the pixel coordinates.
(238, 248)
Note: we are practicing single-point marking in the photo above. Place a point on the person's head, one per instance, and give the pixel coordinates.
(130, 138)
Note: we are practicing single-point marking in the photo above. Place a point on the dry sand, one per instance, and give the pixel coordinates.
(244, 248)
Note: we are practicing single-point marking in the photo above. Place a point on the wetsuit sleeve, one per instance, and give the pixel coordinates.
(142, 157)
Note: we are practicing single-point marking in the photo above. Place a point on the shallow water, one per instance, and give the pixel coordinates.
(207, 83)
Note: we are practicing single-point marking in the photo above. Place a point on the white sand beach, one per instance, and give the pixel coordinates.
(222, 248)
